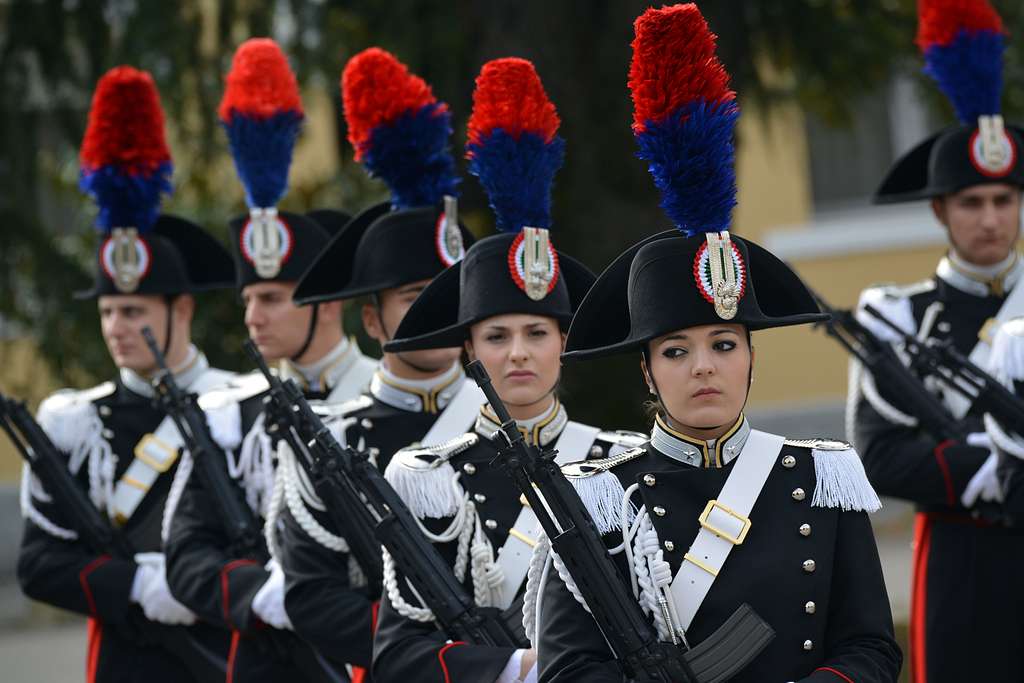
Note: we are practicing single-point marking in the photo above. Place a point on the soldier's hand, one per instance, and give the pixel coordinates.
(151, 593)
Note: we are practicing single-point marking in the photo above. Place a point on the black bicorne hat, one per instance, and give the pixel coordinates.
(272, 246)
(382, 248)
(963, 45)
(482, 286)
(952, 160)
(664, 283)
(174, 257)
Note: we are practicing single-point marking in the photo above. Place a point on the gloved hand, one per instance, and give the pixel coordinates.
(984, 485)
(150, 591)
(268, 604)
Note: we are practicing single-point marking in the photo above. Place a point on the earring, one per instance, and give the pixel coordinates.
(651, 391)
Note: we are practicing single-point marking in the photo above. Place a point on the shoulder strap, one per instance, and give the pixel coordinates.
(724, 524)
(156, 453)
(514, 555)
(458, 416)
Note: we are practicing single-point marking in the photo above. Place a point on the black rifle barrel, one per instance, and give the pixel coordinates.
(239, 521)
(324, 461)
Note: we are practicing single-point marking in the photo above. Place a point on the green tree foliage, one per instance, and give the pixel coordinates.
(822, 54)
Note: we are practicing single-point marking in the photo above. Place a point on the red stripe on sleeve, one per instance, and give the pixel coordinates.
(440, 658)
(940, 457)
(225, 588)
(83, 580)
(833, 671)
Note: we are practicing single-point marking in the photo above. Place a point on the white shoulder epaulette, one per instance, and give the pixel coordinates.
(820, 444)
(235, 390)
(624, 437)
(343, 409)
(65, 399)
(588, 468)
(425, 479)
(840, 480)
(891, 289)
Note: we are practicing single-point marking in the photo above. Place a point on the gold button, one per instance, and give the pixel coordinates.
(798, 494)
(808, 645)
(788, 461)
(660, 511)
(650, 480)
(805, 529)
(469, 468)
(670, 546)
(810, 607)
(809, 566)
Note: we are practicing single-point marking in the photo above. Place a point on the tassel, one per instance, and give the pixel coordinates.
(602, 495)
(842, 482)
(428, 490)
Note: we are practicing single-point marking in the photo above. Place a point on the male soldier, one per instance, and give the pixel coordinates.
(972, 175)
(121, 448)
(271, 249)
(389, 255)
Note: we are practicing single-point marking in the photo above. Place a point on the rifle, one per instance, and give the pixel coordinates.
(942, 361)
(96, 533)
(890, 373)
(240, 524)
(356, 494)
(321, 457)
(577, 541)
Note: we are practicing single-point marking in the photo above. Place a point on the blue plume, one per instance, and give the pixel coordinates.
(262, 149)
(412, 157)
(970, 72)
(127, 200)
(517, 176)
(691, 156)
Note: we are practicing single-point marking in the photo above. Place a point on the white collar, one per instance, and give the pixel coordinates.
(540, 430)
(430, 395)
(327, 372)
(190, 369)
(995, 280)
(697, 452)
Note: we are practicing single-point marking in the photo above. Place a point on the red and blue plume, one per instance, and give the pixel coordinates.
(513, 147)
(262, 114)
(963, 43)
(125, 163)
(399, 130)
(684, 117)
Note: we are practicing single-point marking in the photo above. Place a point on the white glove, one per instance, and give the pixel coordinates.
(984, 484)
(150, 591)
(268, 604)
(513, 669)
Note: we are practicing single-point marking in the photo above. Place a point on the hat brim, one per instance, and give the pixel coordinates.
(601, 326)
(432, 322)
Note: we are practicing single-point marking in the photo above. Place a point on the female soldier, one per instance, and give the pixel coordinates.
(709, 513)
(507, 302)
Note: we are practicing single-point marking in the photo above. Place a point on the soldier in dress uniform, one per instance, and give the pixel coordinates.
(388, 254)
(262, 113)
(706, 485)
(506, 303)
(972, 175)
(119, 445)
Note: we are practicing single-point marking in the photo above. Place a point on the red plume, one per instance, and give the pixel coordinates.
(376, 89)
(509, 95)
(674, 63)
(940, 20)
(260, 83)
(126, 124)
